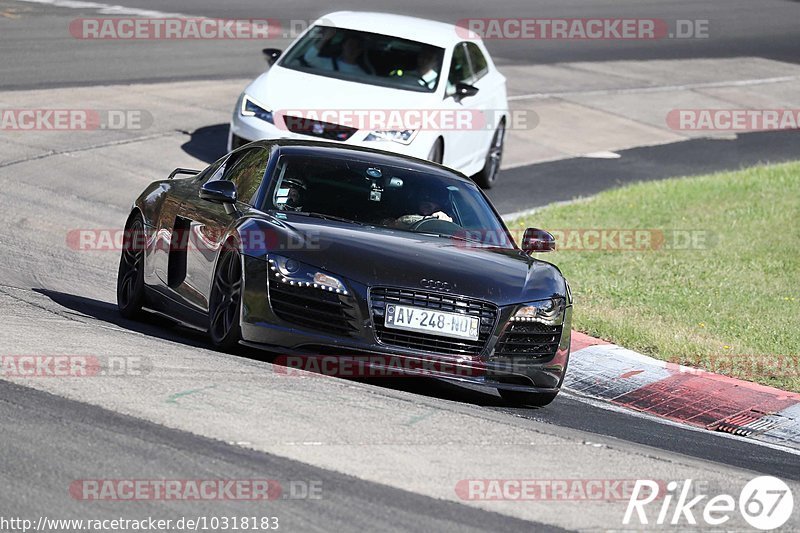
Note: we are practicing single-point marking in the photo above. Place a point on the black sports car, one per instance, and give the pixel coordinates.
(310, 248)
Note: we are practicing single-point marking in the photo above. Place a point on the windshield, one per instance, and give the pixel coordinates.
(367, 58)
(363, 192)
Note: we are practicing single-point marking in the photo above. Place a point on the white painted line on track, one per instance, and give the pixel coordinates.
(510, 217)
(536, 161)
(657, 89)
(110, 9)
(602, 155)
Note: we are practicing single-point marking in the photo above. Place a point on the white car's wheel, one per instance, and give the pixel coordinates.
(437, 152)
(494, 156)
(234, 141)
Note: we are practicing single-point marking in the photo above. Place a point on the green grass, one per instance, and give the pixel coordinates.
(731, 306)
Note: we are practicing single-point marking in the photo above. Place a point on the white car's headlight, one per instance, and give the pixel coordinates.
(296, 273)
(398, 136)
(252, 108)
(550, 312)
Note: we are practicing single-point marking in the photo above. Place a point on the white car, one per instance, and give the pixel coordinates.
(374, 80)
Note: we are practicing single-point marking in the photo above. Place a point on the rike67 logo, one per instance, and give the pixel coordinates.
(765, 503)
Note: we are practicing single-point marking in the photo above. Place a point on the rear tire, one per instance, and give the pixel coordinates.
(130, 276)
(527, 399)
(224, 307)
(494, 157)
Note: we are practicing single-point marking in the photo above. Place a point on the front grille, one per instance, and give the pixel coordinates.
(317, 128)
(528, 340)
(311, 307)
(381, 296)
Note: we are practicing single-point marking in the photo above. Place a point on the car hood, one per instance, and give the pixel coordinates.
(378, 256)
(284, 89)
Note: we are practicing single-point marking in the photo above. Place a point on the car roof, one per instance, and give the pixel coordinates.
(330, 149)
(427, 31)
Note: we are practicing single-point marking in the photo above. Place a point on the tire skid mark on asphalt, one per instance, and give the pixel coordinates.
(419, 418)
(98, 146)
(60, 314)
(173, 398)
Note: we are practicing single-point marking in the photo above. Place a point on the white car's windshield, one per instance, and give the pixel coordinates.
(367, 58)
(386, 196)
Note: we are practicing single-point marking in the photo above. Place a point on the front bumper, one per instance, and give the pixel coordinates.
(262, 328)
(254, 129)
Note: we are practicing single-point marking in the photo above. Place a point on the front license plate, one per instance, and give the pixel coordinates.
(436, 322)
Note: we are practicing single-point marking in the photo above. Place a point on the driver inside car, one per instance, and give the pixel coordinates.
(428, 205)
(349, 60)
(425, 73)
(295, 196)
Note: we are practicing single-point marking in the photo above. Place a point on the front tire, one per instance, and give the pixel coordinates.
(436, 154)
(224, 307)
(527, 399)
(234, 141)
(130, 276)
(491, 167)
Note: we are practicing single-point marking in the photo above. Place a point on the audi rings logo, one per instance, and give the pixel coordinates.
(435, 285)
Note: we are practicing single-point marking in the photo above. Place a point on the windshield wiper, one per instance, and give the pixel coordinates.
(328, 217)
(462, 239)
(448, 236)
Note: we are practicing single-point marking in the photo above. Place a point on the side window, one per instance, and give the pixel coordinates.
(247, 173)
(478, 61)
(212, 172)
(460, 71)
(223, 168)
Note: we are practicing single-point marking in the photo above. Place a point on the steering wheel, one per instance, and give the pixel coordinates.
(423, 82)
(435, 225)
(398, 73)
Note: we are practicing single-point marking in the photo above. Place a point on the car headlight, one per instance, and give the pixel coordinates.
(549, 312)
(295, 273)
(398, 136)
(251, 108)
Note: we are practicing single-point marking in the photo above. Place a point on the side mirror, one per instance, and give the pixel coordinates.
(538, 240)
(219, 192)
(464, 90)
(272, 54)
